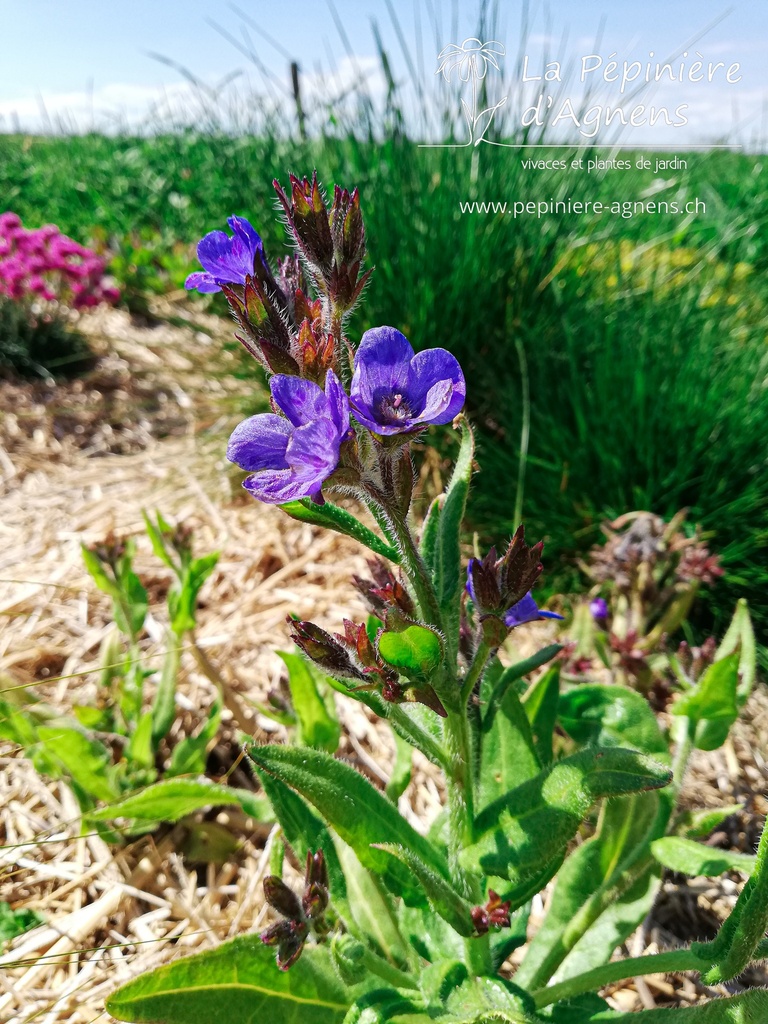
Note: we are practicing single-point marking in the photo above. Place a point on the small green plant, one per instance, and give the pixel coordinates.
(390, 924)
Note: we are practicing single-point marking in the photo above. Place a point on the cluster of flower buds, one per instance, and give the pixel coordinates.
(694, 661)
(299, 916)
(494, 914)
(354, 657)
(645, 556)
(45, 265)
(500, 588)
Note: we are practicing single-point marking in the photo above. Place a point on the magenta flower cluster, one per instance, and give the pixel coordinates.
(45, 265)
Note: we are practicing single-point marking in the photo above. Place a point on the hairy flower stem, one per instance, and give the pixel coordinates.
(386, 971)
(475, 672)
(635, 967)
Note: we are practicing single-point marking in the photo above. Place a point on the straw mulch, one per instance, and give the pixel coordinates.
(146, 431)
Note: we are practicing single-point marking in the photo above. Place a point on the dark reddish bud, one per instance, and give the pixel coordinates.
(316, 351)
(483, 585)
(315, 900)
(383, 591)
(494, 914)
(308, 221)
(347, 226)
(519, 568)
(281, 898)
(325, 651)
(316, 870)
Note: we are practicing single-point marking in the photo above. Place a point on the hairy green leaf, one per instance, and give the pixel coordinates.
(358, 812)
(740, 636)
(443, 898)
(85, 760)
(608, 716)
(712, 705)
(190, 754)
(698, 824)
(164, 704)
(448, 575)
(173, 799)
(334, 518)
(237, 982)
(514, 673)
(691, 858)
(748, 1008)
(534, 822)
(540, 702)
(507, 751)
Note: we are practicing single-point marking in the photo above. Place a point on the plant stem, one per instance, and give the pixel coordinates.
(476, 669)
(525, 430)
(386, 971)
(599, 977)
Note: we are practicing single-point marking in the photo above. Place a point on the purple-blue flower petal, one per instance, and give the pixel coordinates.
(260, 442)
(526, 610)
(203, 281)
(242, 227)
(301, 400)
(227, 260)
(381, 365)
(439, 402)
(429, 367)
(277, 486)
(338, 403)
(313, 451)
(470, 584)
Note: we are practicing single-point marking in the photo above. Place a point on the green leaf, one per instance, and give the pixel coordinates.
(370, 910)
(448, 577)
(740, 636)
(317, 726)
(540, 702)
(173, 799)
(135, 597)
(747, 1008)
(534, 822)
(690, 858)
(86, 761)
(182, 597)
(699, 824)
(712, 706)
(401, 769)
(156, 538)
(416, 652)
(429, 534)
(608, 716)
(139, 749)
(239, 983)
(358, 812)
(515, 672)
(579, 1010)
(304, 831)
(600, 865)
(334, 518)
(507, 752)
(164, 704)
(442, 897)
(189, 756)
(16, 922)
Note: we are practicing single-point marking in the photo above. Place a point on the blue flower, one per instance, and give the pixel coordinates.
(395, 391)
(526, 610)
(227, 260)
(291, 457)
(598, 608)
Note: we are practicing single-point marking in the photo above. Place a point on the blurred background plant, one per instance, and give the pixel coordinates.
(42, 273)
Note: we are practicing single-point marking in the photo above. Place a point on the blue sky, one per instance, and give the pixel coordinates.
(76, 55)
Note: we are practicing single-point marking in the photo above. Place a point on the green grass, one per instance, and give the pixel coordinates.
(644, 338)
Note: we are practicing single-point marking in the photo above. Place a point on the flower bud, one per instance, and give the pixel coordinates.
(325, 651)
(281, 898)
(308, 222)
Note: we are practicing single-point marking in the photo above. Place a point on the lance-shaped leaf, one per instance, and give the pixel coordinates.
(507, 751)
(334, 518)
(690, 858)
(513, 674)
(740, 636)
(318, 726)
(540, 702)
(747, 1008)
(534, 822)
(698, 824)
(173, 799)
(416, 652)
(712, 705)
(608, 716)
(164, 704)
(237, 983)
(429, 534)
(443, 898)
(359, 813)
(448, 576)
(597, 901)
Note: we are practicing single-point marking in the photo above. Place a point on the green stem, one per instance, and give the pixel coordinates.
(635, 967)
(476, 669)
(416, 571)
(387, 972)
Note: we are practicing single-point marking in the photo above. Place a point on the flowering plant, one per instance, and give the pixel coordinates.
(45, 265)
(393, 924)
